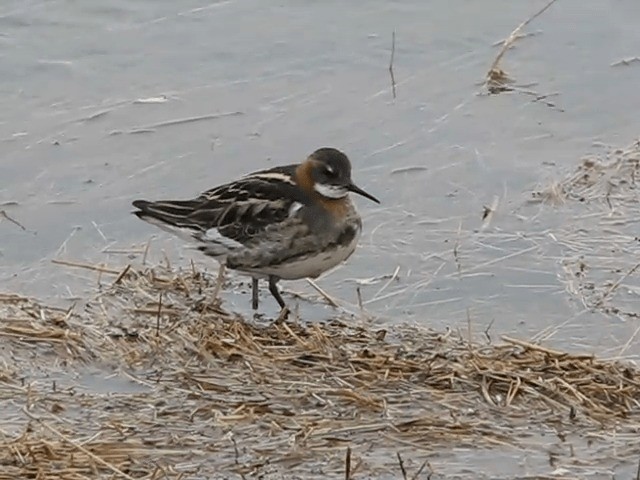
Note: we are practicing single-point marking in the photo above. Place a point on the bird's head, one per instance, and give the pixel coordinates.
(330, 172)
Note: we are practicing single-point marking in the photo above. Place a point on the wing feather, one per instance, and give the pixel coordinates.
(238, 211)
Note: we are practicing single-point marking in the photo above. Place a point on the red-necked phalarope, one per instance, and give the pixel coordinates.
(287, 222)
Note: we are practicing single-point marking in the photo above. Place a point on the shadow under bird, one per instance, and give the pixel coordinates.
(287, 222)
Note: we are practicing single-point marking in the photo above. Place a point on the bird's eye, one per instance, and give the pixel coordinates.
(330, 172)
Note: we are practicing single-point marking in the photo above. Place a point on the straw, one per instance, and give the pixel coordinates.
(195, 392)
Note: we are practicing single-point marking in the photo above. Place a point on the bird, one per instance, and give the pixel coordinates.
(283, 223)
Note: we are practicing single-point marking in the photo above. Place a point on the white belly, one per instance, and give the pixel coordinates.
(309, 266)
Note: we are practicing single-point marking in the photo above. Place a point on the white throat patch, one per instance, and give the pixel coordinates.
(331, 191)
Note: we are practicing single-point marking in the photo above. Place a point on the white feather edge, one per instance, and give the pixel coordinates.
(196, 238)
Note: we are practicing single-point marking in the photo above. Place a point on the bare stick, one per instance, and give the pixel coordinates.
(495, 260)
(539, 348)
(514, 35)
(393, 54)
(166, 260)
(401, 463)
(121, 251)
(63, 247)
(424, 464)
(391, 279)
(4, 214)
(235, 449)
(87, 266)
(219, 282)
(330, 300)
(347, 465)
(626, 61)
(455, 249)
(616, 285)
(121, 276)
(626, 345)
(182, 121)
(486, 330)
(95, 225)
(146, 252)
(495, 75)
(158, 315)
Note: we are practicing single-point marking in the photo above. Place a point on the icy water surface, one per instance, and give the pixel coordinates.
(90, 94)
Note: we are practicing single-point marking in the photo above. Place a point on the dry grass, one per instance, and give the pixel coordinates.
(610, 179)
(600, 267)
(209, 393)
(498, 80)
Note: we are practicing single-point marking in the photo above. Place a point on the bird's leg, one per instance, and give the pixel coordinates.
(273, 288)
(254, 293)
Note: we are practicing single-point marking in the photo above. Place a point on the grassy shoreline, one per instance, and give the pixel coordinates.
(209, 394)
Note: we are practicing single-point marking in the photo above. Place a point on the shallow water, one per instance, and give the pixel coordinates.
(89, 93)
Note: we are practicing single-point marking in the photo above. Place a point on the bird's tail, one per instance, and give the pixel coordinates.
(172, 216)
(176, 217)
(172, 212)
